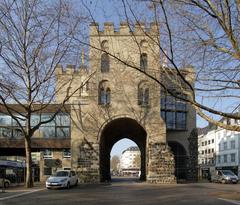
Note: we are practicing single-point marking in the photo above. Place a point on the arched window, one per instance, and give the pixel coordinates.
(104, 93)
(102, 97)
(108, 95)
(105, 63)
(140, 96)
(143, 94)
(104, 45)
(143, 61)
(146, 96)
(69, 89)
(143, 44)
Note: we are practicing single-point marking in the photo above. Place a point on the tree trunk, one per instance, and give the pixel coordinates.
(28, 179)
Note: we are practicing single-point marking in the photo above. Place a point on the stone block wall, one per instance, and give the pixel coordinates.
(192, 164)
(88, 163)
(161, 165)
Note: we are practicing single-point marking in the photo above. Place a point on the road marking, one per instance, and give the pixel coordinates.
(231, 201)
(21, 194)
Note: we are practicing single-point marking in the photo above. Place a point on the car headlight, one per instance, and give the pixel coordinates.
(63, 180)
(227, 178)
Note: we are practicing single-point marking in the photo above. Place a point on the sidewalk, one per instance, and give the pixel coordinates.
(19, 190)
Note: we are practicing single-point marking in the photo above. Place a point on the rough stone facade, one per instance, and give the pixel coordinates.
(161, 164)
(193, 156)
(96, 127)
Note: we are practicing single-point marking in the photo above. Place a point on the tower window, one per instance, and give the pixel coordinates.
(104, 93)
(143, 61)
(108, 95)
(105, 65)
(143, 94)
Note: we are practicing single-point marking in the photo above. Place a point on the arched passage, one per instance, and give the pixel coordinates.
(114, 131)
(180, 158)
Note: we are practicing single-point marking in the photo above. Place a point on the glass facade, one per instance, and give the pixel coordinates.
(173, 112)
(57, 128)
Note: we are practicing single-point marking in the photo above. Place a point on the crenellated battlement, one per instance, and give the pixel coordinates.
(71, 69)
(125, 28)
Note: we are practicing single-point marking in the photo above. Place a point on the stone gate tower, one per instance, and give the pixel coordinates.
(117, 101)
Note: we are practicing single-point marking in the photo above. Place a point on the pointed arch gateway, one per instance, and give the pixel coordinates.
(114, 131)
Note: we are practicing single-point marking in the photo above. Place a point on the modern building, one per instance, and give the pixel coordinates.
(228, 148)
(130, 161)
(206, 150)
(219, 149)
(50, 144)
(116, 102)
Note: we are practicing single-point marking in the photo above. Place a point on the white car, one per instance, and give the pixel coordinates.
(224, 176)
(62, 179)
(4, 182)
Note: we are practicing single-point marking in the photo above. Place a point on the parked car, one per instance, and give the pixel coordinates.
(4, 182)
(224, 176)
(62, 179)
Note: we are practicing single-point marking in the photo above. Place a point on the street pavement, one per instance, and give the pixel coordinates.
(131, 192)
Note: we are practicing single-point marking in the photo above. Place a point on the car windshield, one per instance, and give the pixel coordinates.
(61, 174)
(228, 173)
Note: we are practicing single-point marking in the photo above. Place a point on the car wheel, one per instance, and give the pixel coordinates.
(68, 185)
(76, 183)
(6, 184)
(223, 181)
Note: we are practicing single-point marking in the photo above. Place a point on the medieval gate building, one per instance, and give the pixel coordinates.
(119, 101)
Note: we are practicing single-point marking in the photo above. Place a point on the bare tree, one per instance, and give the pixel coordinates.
(115, 162)
(137, 161)
(35, 36)
(203, 35)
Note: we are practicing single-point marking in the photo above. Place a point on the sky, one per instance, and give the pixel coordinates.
(121, 145)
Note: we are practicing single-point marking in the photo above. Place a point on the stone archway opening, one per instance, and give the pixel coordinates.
(113, 132)
(180, 158)
(128, 155)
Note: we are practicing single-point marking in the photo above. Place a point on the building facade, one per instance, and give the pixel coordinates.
(130, 161)
(50, 144)
(219, 149)
(206, 151)
(116, 101)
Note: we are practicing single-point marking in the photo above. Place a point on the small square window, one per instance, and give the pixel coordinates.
(47, 154)
(233, 157)
(66, 153)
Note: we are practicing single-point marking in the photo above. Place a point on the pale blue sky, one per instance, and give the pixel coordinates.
(121, 145)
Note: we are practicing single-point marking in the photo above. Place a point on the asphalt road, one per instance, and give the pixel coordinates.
(129, 192)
